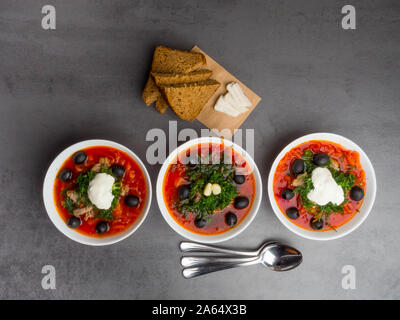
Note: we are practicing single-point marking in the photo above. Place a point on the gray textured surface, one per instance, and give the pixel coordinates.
(84, 80)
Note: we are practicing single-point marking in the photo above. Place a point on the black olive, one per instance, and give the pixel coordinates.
(230, 219)
(292, 213)
(200, 223)
(287, 194)
(321, 159)
(131, 200)
(298, 166)
(184, 192)
(80, 157)
(239, 178)
(316, 225)
(356, 193)
(74, 222)
(118, 170)
(102, 227)
(65, 175)
(241, 202)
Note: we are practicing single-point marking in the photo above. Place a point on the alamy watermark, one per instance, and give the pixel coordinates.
(349, 280)
(157, 152)
(49, 280)
(349, 20)
(49, 18)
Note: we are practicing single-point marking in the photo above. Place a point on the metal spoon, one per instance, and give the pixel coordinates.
(275, 256)
(198, 247)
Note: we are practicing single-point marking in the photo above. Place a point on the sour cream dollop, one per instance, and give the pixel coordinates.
(100, 190)
(325, 188)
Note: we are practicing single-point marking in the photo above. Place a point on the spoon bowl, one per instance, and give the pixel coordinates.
(280, 257)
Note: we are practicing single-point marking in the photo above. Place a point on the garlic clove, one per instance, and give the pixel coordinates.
(207, 190)
(216, 188)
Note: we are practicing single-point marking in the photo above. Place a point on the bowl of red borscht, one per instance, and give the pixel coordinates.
(209, 190)
(322, 186)
(97, 192)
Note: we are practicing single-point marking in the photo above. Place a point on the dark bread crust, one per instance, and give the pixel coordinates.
(171, 78)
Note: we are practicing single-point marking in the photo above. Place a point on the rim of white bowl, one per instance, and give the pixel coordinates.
(48, 187)
(369, 197)
(218, 237)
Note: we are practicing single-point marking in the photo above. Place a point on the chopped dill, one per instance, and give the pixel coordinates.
(204, 172)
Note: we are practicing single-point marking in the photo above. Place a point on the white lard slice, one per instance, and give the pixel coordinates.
(235, 90)
(234, 102)
(223, 106)
(229, 98)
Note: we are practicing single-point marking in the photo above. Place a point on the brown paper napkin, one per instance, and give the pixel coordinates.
(217, 120)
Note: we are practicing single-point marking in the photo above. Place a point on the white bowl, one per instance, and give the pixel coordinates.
(366, 206)
(217, 237)
(49, 199)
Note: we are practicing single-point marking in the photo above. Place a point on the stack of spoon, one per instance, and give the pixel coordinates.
(273, 255)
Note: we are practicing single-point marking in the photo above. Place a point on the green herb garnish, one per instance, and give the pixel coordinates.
(199, 176)
(345, 180)
(81, 189)
(68, 204)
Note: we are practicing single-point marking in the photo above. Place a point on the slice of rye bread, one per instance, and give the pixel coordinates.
(187, 99)
(150, 92)
(168, 60)
(173, 78)
(161, 104)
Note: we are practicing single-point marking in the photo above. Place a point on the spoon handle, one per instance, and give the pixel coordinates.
(199, 261)
(198, 247)
(193, 272)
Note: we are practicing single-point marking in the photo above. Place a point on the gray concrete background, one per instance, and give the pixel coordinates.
(84, 80)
